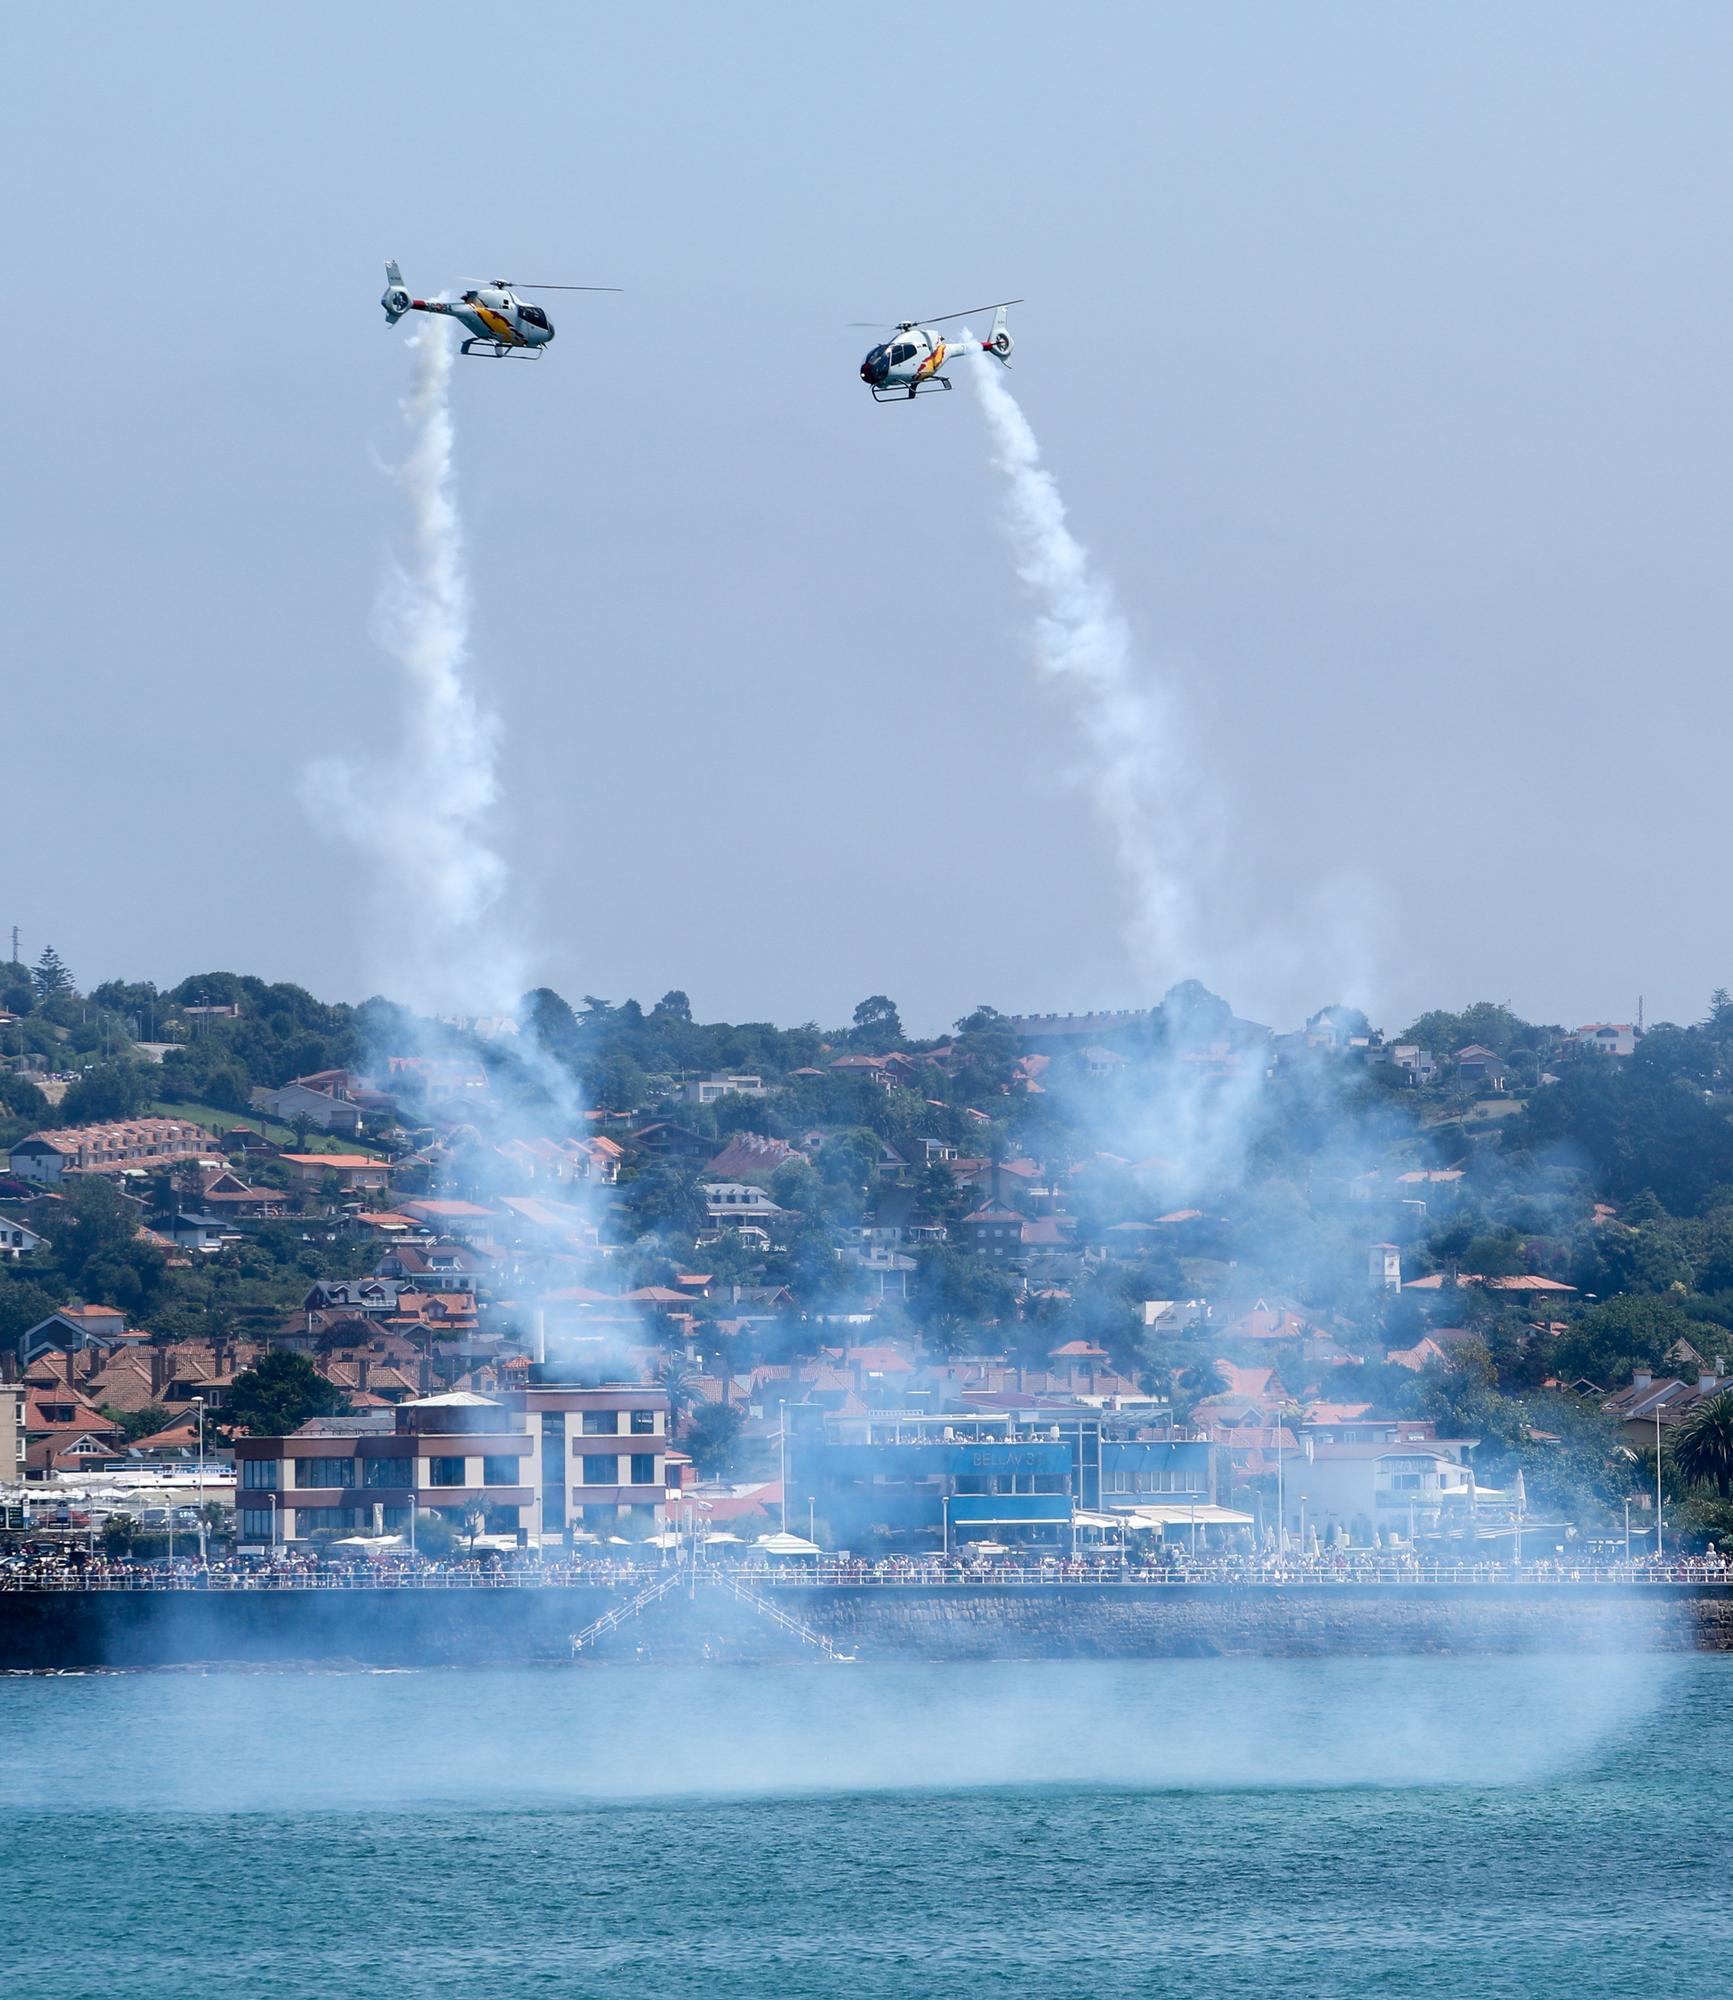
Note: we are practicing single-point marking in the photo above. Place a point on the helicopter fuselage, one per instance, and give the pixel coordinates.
(496, 322)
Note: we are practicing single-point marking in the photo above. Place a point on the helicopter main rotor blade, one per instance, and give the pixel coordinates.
(938, 319)
(508, 285)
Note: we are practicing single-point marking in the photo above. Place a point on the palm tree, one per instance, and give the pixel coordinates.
(677, 1378)
(1701, 1446)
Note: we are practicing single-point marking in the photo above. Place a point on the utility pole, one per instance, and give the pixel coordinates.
(15, 958)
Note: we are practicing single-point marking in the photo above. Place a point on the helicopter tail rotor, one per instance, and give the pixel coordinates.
(395, 299)
(1000, 342)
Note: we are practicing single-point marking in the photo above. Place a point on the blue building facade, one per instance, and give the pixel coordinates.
(1023, 1479)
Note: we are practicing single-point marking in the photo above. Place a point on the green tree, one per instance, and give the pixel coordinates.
(23, 1304)
(50, 977)
(22, 1099)
(877, 1025)
(118, 1532)
(141, 1423)
(678, 1380)
(108, 1091)
(278, 1395)
(1701, 1445)
(712, 1438)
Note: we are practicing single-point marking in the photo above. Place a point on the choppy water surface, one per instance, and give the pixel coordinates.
(1532, 1827)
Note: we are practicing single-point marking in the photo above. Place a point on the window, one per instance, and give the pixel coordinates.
(324, 1471)
(385, 1472)
(601, 1423)
(600, 1471)
(499, 1469)
(445, 1472)
(903, 351)
(643, 1423)
(316, 1520)
(258, 1524)
(504, 1520)
(643, 1468)
(257, 1473)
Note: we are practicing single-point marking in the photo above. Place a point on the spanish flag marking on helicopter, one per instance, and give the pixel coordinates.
(499, 326)
(933, 362)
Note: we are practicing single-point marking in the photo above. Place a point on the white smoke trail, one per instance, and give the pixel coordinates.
(1129, 725)
(1138, 769)
(421, 817)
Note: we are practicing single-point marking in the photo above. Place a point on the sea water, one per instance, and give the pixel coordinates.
(1465, 1827)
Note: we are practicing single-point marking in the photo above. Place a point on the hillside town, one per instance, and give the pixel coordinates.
(296, 1276)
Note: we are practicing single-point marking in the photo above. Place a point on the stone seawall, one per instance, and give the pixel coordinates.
(398, 1627)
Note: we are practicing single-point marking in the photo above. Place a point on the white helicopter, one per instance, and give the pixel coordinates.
(907, 364)
(498, 322)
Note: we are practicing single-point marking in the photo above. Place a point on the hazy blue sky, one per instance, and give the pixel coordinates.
(1381, 353)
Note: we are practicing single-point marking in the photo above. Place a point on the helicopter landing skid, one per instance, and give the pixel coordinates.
(497, 350)
(899, 394)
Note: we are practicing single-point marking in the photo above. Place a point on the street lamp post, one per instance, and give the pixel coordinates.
(1657, 1482)
(199, 1404)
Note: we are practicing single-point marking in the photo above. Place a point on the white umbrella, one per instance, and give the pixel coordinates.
(786, 1544)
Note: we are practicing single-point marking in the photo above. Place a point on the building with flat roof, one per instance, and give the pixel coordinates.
(11, 1432)
(535, 1463)
(1025, 1477)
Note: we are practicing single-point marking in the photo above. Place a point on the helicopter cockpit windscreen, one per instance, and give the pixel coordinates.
(534, 316)
(876, 368)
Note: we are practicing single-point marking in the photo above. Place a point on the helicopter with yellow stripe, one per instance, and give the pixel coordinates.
(497, 322)
(906, 363)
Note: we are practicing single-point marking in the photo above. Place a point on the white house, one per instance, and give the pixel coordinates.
(17, 1238)
(733, 1202)
(1605, 1038)
(1386, 1475)
(707, 1089)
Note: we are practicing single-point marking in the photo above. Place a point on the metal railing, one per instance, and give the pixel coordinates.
(649, 1581)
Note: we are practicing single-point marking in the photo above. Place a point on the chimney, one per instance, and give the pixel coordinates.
(1642, 1378)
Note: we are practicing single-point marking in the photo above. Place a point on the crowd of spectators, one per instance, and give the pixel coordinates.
(41, 1567)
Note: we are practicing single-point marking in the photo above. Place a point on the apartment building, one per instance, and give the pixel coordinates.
(130, 1145)
(537, 1463)
(11, 1432)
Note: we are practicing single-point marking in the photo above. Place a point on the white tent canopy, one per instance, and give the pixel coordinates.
(1206, 1514)
(786, 1544)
